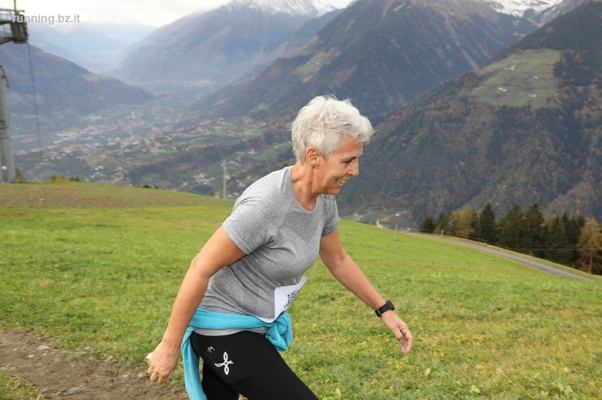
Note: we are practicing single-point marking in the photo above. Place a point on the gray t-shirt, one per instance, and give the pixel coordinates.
(281, 241)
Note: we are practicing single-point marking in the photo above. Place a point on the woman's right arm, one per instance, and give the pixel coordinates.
(218, 252)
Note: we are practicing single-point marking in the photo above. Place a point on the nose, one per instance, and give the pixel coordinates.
(354, 169)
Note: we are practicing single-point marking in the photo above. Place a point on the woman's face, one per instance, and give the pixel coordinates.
(343, 164)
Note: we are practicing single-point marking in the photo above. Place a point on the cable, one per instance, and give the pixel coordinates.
(35, 103)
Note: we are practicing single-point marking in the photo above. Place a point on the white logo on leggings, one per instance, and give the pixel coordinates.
(225, 364)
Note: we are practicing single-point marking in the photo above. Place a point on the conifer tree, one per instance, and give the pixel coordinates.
(443, 224)
(510, 228)
(532, 239)
(428, 225)
(589, 248)
(558, 247)
(489, 229)
(573, 227)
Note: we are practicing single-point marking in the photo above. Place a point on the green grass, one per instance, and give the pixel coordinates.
(13, 389)
(521, 79)
(485, 327)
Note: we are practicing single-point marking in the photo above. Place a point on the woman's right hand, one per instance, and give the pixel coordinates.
(162, 362)
(218, 252)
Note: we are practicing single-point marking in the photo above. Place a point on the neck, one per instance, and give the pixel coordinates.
(302, 177)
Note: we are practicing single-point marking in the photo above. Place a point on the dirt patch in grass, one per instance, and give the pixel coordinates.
(57, 376)
(91, 195)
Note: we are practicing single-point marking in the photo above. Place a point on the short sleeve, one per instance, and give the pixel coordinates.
(249, 224)
(332, 216)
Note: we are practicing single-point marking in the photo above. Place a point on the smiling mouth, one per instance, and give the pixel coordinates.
(340, 181)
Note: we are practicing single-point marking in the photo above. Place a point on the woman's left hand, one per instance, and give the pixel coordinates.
(400, 330)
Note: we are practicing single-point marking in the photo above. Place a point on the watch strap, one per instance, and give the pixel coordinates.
(386, 307)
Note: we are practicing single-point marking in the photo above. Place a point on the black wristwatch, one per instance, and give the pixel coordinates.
(388, 306)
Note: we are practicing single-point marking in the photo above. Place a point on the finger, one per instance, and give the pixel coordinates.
(406, 340)
(165, 379)
(402, 332)
(157, 378)
(404, 346)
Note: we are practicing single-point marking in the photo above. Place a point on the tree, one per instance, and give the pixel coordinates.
(558, 247)
(510, 228)
(444, 224)
(589, 248)
(489, 228)
(428, 226)
(532, 238)
(573, 228)
(19, 176)
(464, 223)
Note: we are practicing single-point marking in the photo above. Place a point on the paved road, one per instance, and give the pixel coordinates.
(515, 257)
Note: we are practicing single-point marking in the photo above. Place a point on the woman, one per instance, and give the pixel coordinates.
(239, 286)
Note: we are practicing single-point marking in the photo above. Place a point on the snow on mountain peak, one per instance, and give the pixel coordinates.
(517, 8)
(312, 8)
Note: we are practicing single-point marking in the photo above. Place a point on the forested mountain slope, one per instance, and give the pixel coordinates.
(525, 128)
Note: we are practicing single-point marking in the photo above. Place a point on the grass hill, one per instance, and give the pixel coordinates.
(100, 280)
(523, 129)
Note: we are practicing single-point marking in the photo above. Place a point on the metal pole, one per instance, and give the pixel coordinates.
(224, 188)
(7, 163)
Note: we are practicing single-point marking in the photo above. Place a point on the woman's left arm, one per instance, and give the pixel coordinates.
(346, 271)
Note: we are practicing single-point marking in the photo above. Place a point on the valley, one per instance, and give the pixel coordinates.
(107, 144)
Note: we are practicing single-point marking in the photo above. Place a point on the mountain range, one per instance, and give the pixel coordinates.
(381, 53)
(220, 45)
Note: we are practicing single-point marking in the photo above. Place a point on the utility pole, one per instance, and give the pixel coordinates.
(18, 34)
(7, 163)
(224, 188)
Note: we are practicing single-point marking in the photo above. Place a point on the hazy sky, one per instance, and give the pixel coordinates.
(143, 12)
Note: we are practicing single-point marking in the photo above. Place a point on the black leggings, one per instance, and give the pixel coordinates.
(246, 363)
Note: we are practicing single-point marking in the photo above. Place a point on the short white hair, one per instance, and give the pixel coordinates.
(323, 122)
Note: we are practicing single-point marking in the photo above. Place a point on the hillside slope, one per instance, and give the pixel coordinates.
(61, 85)
(100, 282)
(526, 128)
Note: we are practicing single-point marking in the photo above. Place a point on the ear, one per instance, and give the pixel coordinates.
(312, 156)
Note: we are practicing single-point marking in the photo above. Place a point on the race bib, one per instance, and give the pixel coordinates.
(283, 298)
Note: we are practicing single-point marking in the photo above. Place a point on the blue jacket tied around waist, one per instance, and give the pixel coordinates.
(280, 334)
